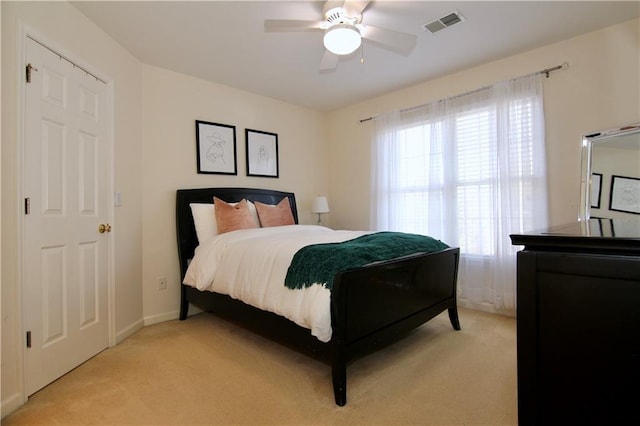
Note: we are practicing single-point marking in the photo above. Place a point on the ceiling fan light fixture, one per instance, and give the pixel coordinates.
(342, 39)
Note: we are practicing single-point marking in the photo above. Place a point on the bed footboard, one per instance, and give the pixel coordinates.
(373, 305)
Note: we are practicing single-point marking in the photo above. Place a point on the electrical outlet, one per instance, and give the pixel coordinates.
(162, 283)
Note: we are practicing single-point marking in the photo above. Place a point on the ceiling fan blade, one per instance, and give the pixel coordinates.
(329, 61)
(284, 25)
(399, 42)
(355, 7)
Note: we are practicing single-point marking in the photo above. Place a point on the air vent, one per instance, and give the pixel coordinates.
(446, 21)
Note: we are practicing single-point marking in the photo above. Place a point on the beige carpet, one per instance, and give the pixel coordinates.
(209, 372)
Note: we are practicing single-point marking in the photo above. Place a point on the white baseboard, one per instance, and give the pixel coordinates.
(12, 403)
(155, 319)
(150, 320)
(485, 307)
(193, 311)
(123, 334)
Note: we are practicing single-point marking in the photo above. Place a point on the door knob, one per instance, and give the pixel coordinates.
(104, 227)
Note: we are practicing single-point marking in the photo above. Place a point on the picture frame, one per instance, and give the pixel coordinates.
(262, 153)
(625, 194)
(623, 228)
(606, 226)
(216, 148)
(594, 226)
(596, 189)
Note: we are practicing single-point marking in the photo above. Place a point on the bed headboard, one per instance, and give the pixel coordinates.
(185, 228)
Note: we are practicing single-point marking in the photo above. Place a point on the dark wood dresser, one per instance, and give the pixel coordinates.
(578, 324)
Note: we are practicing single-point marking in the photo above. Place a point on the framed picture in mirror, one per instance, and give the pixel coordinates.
(596, 189)
(625, 194)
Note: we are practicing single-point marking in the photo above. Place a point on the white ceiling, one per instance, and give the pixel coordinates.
(225, 42)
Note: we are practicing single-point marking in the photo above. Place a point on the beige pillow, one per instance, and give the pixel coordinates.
(277, 215)
(231, 217)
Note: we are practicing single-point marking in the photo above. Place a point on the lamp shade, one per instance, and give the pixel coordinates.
(342, 39)
(320, 205)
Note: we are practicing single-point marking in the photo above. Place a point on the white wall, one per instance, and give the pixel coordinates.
(171, 104)
(599, 91)
(62, 24)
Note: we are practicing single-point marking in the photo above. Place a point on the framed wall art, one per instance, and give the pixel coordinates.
(216, 148)
(262, 153)
(596, 189)
(625, 194)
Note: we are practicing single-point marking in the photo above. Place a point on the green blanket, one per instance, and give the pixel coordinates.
(318, 263)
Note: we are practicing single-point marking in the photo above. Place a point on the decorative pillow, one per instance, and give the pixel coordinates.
(277, 215)
(204, 219)
(230, 217)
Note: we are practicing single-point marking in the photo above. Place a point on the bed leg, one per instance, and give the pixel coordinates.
(339, 372)
(184, 303)
(453, 317)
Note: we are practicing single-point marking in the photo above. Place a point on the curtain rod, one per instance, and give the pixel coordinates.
(546, 71)
(62, 57)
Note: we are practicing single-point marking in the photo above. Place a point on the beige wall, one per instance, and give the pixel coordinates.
(599, 91)
(63, 25)
(171, 104)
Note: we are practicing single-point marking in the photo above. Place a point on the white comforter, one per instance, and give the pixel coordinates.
(251, 265)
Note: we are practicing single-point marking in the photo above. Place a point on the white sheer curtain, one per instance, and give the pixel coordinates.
(469, 171)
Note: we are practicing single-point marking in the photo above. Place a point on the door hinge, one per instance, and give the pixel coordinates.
(28, 71)
(28, 339)
(27, 205)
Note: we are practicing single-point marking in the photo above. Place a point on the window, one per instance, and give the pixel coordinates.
(469, 171)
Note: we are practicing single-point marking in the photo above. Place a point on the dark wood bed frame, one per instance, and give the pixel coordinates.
(370, 306)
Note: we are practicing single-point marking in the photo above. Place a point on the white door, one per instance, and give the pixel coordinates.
(66, 190)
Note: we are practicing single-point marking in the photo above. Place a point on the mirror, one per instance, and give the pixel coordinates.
(610, 181)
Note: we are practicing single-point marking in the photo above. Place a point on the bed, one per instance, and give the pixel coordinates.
(369, 306)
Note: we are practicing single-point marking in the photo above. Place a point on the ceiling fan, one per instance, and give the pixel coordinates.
(344, 31)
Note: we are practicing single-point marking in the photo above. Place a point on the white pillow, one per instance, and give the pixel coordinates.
(204, 219)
